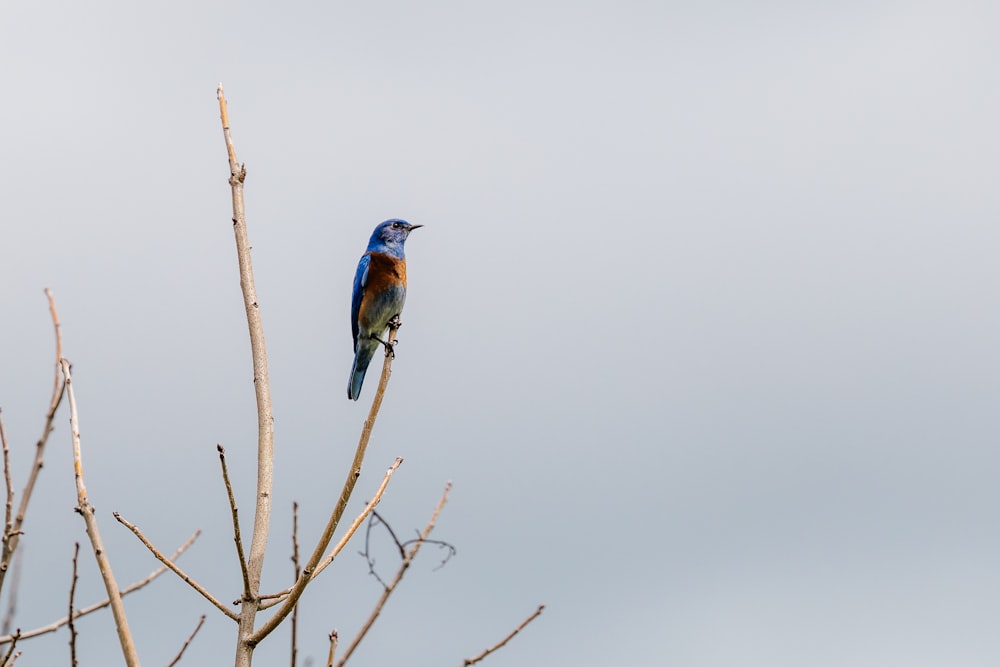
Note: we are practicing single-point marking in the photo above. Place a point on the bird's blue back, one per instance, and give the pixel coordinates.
(359, 283)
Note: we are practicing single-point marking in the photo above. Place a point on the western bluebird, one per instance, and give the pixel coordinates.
(379, 292)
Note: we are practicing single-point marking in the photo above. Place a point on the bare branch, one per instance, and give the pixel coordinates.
(371, 524)
(279, 597)
(57, 385)
(377, 520)
(270, 596)
(410, 555)
(9, 657)
(72, 592)
(345, 495)
(297, 570)
(8, 617)
(188, 642)
(8, 531)
(262, 390)
(500, 644)
(52, 627)
(236, 522)
(367, 552)
(8, 523)
(173, 567)
(369, 508)
(58, 388)
(334, 638)
(86, 510)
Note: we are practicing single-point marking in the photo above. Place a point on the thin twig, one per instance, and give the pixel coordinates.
(271, 599)
(310, 569)
(500, 644)
(16, 569)
(236, 521)
(188, 642)
(9, 657)
(298, 570)
(57, 385)
(377, 520)
(8, 523)
(58, 389)
(86, 510)
(369, 508)
(410, 555)
(271, 596)
(262, 390)
(282, 595)
(52, 627)
(378, 517)
(334, 638)
(72, 592)
(375, 517)
(173, 566)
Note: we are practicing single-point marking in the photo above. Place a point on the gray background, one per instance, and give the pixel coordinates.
(702, 324)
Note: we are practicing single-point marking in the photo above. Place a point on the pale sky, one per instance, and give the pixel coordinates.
(701, 324)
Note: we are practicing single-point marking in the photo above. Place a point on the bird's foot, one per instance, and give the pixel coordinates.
(395, 323)
(390, 346)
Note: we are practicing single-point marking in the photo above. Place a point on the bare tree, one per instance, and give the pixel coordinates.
(250, 554)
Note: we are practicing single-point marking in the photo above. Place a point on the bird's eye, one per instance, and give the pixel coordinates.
(397, 225)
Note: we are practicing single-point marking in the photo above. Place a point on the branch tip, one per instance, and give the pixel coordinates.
(502, 642)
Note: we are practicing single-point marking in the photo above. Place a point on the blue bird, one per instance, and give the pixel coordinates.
(379, 293)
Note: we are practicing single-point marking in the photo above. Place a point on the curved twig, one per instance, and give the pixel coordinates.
(58, 389)
(403, 567)
(377, 520)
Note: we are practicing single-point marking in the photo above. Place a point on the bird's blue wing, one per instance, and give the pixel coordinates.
(360, 280)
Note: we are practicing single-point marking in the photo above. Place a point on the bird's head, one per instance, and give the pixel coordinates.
(390, 236)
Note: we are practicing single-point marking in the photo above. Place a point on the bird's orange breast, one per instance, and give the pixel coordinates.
(385, 272)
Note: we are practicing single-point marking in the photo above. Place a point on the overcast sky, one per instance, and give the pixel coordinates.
(702, 324)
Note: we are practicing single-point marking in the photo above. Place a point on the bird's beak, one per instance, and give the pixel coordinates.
(412, 227)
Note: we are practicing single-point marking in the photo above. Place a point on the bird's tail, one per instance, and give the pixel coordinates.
(362, 357)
